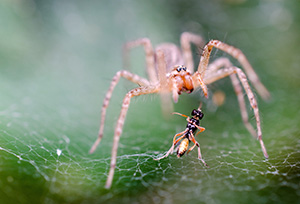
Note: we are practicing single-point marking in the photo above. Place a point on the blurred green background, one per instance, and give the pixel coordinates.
(56, 62)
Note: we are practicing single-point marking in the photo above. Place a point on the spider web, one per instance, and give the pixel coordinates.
(45, 144)
(49, 117)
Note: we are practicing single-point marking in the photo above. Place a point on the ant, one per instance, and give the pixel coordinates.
(188, 135)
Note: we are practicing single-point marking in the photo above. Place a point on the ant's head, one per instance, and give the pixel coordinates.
(197, 114)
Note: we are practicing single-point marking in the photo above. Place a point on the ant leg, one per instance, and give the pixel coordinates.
(191, 148)
(192, 138)
(243, 79)
(186, 39)
(120, 123)
(127, 75)
(201, 129)
(238, 54)
(174, 143)
(199, 154)
(150, 61)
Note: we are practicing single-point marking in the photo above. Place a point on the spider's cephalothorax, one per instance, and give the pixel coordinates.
(180, 80)
(187, 135)
(165, 76)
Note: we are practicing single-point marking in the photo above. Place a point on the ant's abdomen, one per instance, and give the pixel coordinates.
(183, 147)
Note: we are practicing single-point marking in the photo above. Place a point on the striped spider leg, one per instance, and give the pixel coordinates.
(225, 62)
(215, 74)
(221, 73)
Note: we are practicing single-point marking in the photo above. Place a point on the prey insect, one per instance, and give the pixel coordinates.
(187, 136)
(171, 72)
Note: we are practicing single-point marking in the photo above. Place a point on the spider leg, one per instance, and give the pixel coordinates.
(173, 144)
(127, 75)
(166, 102)
(174, 90)
(238, 54)
(119, 126)
(218, 64)
(242, 77)
(225, 62)
(192, 138)
(150, 60)
(186, 39)
(240, 96)
(198, 81)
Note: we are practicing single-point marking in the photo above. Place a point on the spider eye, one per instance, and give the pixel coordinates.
(180, 68)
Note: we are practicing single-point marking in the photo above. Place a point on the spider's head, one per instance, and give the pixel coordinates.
(197, 113)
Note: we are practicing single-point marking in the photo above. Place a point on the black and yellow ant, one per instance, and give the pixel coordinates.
(187, 135)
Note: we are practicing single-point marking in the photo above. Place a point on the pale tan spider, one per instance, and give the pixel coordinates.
(168, 75)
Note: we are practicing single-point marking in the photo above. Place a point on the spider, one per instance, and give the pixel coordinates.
(167, 74)
(188, 135)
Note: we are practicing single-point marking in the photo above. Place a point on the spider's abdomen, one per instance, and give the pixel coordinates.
(183, 147)
(172, 54)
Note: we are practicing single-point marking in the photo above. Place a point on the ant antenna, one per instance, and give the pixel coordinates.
(200, 105)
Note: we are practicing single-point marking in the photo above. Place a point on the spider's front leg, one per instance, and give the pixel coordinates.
(120, 123)
(175, 90)
(238, 54)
